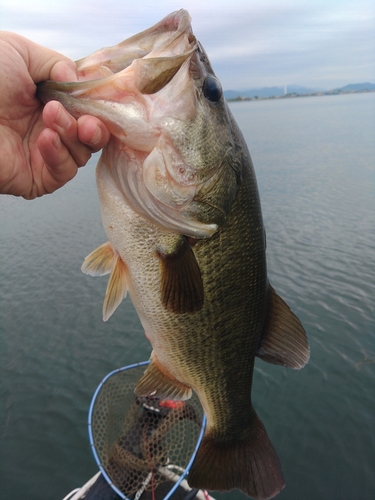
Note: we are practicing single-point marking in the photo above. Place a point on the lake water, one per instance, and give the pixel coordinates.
(315, 163)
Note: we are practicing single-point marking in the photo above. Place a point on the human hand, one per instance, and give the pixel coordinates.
(40, 149)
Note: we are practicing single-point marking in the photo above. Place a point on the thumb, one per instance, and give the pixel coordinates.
(42, 63)
(46, 64)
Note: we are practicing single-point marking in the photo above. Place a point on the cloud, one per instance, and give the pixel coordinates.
(305, 45)
(249, 44)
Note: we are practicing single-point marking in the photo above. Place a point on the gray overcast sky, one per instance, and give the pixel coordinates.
(314, 43)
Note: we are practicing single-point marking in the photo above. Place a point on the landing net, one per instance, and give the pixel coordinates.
(138, 442)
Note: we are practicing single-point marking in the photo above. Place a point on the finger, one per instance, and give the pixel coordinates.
(92, 132)
(64, 71)
(58, 119)
(60, 167)
(47, 64)
(42, 63)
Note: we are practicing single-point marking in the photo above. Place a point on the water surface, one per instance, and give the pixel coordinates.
(314, 159)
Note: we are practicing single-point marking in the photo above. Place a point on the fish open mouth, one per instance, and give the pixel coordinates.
(169, 38)
(122, 85)
(143, 63)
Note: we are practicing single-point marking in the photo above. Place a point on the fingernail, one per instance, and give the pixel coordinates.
(96, 136)
(56, 141)
(62, 119)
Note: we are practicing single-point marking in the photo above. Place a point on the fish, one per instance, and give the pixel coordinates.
(181, 209)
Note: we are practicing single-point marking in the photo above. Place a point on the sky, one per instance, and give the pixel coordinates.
(319, 44)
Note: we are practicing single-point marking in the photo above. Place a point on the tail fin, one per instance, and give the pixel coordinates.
(249, 464)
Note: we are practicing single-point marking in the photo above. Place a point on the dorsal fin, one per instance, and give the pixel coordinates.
(116, 288)
(160, 384)
(284, 341)
(181, 281)
(100, 261)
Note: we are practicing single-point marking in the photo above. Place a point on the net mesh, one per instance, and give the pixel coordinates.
(136, 438)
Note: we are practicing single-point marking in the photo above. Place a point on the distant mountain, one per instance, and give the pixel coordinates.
(297, 89)
(292, 91)
(353, 87)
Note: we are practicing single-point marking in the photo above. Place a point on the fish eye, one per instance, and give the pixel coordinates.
(212, 89)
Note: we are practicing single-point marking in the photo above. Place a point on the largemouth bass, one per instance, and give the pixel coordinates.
(181, 210)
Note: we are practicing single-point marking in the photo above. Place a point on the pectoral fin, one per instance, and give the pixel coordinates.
(159, 384)
(284, 341)
(104, 260)
(116, 289)
(181, 281)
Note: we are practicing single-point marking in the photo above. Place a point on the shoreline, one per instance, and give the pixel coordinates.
(293, 95)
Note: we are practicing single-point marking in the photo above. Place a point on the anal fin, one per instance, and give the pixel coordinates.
(100, 261)
(160, 384)
(284, 341)
(181, 281)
